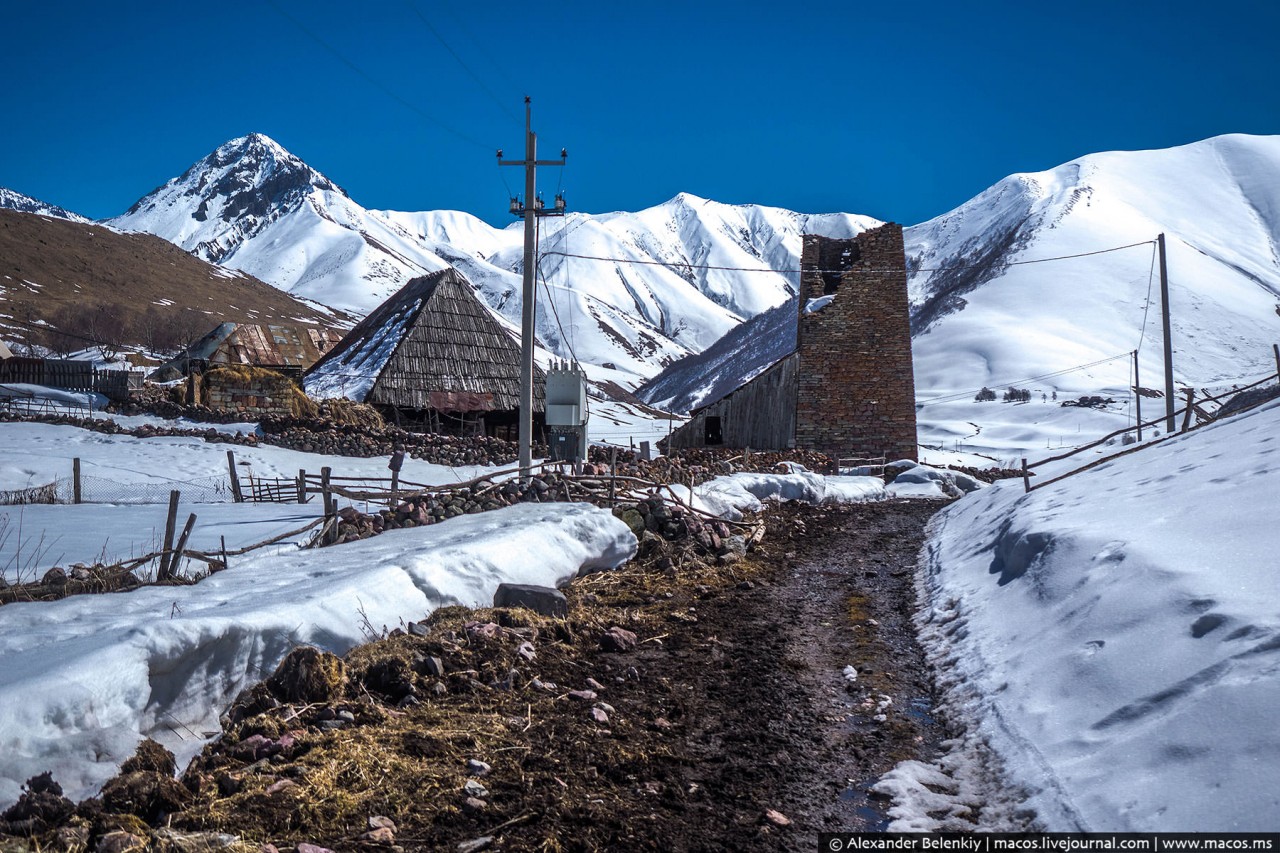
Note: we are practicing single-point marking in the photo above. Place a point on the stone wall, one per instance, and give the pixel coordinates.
(263, 394)
(855, 383)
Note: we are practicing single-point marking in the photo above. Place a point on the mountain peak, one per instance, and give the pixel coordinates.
(14, 200)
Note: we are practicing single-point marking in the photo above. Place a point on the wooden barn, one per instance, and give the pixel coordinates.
(286, 349)
(432, 358)
(848, 389)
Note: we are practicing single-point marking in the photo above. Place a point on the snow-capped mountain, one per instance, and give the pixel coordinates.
(14, 200)
(987, 312)
(980, 321)
(253, 206)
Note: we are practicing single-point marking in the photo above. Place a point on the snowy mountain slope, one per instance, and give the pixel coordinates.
(983, 316)
(253, 206)
(14, 200)
(979, 322)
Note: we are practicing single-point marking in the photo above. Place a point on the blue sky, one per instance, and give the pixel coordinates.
(896, 110)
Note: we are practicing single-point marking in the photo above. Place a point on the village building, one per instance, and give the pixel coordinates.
(848, 388)
(432, 358)
(286, 349)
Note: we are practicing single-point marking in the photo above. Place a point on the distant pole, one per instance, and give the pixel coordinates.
(1171, 424)
(530, 212)
(1137, 393)
(1276, 348)
(76, 493)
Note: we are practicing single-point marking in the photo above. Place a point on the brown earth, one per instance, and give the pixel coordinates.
(728, 726)
(49, 265)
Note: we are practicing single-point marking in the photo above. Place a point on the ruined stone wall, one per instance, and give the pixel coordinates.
(855, 383)
(255, 397)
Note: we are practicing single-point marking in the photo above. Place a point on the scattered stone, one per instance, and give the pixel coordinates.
(475, 845)
(618, 640)
(54, 577)
(746, 586)
(472, 788)
(594, 685)
(606, 707)
(527, 651)
(598, 715)
(476, 767)
(282, 785)
(346, 716)
(382, 836)
(543, 600)
(382, 822)
(431, 665)
(478, 630)
(471, 805)
(417, 629)
(776, 818)
(582, 695)
(304, 847)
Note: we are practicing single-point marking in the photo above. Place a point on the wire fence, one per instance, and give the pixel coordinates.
(100, 490)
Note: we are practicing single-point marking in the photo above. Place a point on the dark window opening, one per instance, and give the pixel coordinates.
(711, 431)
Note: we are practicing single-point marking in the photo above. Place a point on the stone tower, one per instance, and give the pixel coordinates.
(855, 382)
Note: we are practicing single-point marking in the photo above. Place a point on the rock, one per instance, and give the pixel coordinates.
(583, 695)
(430, 665)
(632, 519)
(598, 715)
(476, 767)
(774, 817)
(417, 629)
(281, 786)
(594, 685)
(475, 845)
(381, 836)
(472, 788)
(618, 640)
(485, 630)
(527, 651)
(381, 822)
(304, 847)
(471, 805)
(735, 545)
(543, 600)
(54, 577)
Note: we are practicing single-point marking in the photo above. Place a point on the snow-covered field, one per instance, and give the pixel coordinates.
(1115, 637)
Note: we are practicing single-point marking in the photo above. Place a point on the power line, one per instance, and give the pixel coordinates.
(464, 65)
(1147, 307)
(802, 270)
(373, 81)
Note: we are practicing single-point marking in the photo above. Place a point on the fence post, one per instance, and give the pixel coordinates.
(170, 523)
(1026, 477)
(613, 475)
(1276, 349)
(76, 493)
(302, 485)
(223, 540)
(328, 504)
(181, 546)
(235, 478)
(1186, 419)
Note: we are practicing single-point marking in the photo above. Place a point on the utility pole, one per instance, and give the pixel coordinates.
(1170, 424)
(1137, 393)
(530, 210)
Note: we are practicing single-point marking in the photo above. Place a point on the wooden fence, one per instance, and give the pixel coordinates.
(1201, 411)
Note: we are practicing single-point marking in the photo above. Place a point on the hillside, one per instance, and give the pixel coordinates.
(987, 312)
(49, 267)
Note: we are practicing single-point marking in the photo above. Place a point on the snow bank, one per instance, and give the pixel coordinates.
(1115, 637)
(82, 680)
(735, 494)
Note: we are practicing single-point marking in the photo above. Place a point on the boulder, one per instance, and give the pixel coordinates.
(544, 600)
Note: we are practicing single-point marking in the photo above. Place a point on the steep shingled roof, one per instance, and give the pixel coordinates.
(432, 345)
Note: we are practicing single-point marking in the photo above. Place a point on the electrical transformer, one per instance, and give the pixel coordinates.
(567, 412)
